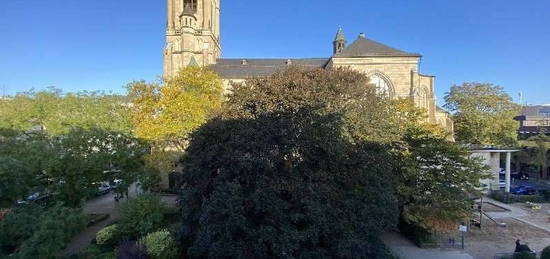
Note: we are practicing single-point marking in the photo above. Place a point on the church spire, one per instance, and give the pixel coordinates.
(339, 42)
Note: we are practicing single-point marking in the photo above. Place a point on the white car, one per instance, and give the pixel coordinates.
(103, 187)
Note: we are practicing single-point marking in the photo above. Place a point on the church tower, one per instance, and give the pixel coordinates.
(192, 34)
(339, 42)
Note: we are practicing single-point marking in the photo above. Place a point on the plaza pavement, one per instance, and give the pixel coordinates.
(405, 249)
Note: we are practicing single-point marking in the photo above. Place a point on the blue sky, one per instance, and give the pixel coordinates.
(104, 44)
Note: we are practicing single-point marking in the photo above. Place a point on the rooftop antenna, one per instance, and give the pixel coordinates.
(520, 94)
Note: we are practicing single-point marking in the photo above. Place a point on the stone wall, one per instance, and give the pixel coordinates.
(398, 70)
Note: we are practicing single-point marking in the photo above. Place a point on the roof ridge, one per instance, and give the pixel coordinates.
(364, 47)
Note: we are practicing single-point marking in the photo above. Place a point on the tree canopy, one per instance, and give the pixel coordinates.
(167, 113)
(67, 166)
(296, 151)
(366, 115)
(483, 114)
(57, 113)
(285, 184)
(436, 179)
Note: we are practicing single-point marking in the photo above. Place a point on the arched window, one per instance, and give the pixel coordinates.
(382, 84)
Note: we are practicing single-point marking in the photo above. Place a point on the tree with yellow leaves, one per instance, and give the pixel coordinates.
(166, 113)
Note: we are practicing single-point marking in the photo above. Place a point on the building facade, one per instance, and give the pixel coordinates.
(192, 38)
(533, 120)
(192, 34)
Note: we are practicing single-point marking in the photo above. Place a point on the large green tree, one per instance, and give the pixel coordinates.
(483, 114)
(57, 112)
(437, 178)
(285, 185)
(289, 169)
(366, 114)
(283, 140)
(67, 166)
(22, 158)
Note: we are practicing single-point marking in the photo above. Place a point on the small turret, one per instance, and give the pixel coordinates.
(339, 42)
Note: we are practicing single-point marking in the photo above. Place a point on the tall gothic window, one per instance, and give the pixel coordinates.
(421, 98)
(383, 86)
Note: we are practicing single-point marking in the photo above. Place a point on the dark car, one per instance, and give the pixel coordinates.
(523, 190)
(520, 176)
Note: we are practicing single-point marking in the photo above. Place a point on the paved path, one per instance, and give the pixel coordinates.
(515, 213)
(520, 225)
(102, 205)
(405, 249)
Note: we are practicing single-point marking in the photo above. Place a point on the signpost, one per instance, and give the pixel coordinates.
(463, 229)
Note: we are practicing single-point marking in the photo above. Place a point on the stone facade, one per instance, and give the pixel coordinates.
(192, 34)
(193, 39)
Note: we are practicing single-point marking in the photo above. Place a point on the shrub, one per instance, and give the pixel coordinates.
(57, 227)
(545, 253)
(19, 225)
(108, 236)
(160, 245)
(419, 235)
(525, 255)
(131, 250)
(94, 252)
(512, 198)
(546, 195)
(141, 215)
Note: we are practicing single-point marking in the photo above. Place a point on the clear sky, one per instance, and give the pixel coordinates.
(104, 44)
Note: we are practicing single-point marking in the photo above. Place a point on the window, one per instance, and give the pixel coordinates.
(383, 86)
(190, 5)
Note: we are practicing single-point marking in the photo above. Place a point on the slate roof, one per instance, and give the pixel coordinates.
(244, 67)
(364, 47)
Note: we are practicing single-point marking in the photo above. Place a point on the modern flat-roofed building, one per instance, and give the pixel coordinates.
(533, 120)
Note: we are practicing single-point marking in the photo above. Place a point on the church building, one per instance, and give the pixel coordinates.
(193, 38)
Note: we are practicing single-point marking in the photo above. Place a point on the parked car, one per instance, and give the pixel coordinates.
(36, 196)
(520, 176)
(103, 188)
(523, 190)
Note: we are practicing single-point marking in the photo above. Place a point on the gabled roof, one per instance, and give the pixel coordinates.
(364, 47)
(244, 68)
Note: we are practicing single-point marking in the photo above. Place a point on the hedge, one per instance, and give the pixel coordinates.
(512, 198)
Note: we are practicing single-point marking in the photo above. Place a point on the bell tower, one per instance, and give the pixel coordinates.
(192, 34)
(339, 42)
